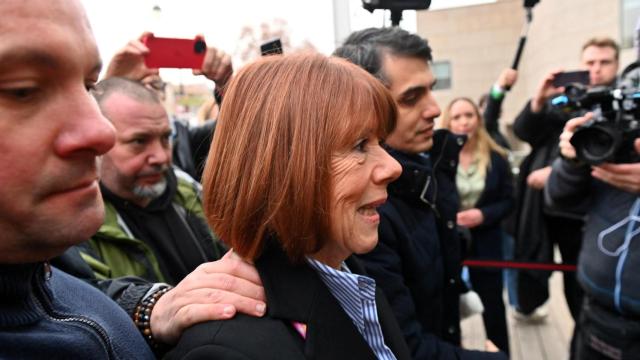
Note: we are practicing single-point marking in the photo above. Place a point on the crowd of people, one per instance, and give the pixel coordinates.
(324, 213)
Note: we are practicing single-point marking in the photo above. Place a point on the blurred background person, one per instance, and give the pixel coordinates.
(208, 111)
(190, 143)
(491, 104)
(297, 193)
(537, 228)
(484, 184)
(608, 326)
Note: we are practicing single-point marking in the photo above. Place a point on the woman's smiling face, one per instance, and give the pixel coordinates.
(360, 178)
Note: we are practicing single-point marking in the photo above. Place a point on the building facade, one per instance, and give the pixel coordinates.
(473, 44)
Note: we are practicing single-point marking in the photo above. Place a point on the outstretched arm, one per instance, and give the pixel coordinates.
(493, 109)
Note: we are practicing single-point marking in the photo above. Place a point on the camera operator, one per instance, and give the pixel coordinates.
(609, 258)
(536, 227)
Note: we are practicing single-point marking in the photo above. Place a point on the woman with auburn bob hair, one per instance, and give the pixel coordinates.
(293, 179)
(485, 188)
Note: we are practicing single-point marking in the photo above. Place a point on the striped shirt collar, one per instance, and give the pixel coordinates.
(356, 295)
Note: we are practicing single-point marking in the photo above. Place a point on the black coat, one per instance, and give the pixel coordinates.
(294, 293)
(491, 117)
(191, 146)
(604, 276)
(533, 241)
(495, 202)
(417, 259)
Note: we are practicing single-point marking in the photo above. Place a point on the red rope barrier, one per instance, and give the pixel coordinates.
(519, 265)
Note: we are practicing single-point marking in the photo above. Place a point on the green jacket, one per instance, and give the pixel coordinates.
(114, 252)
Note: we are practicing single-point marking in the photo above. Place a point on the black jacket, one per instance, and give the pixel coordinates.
(191, 146)
(541, 131)
(417, 259)
(491, 117)
(534, 238)
(607, 269)
(294, 293)
(496, 202)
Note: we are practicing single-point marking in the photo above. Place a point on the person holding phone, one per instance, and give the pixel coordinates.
(536, 227)
(190, 143)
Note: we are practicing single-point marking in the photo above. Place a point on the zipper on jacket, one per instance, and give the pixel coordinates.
(423, 193)
(51, 315)
(434, 167)
(182, 214)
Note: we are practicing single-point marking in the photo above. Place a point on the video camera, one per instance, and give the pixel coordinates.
(615, 125)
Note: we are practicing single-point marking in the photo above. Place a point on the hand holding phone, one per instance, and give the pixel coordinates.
(271, 47)
(128, 62)
(174, 53)
(571, 77)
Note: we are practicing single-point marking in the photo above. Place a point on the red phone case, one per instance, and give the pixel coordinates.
(174, 53)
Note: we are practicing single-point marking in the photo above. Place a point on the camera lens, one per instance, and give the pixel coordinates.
(596, 144)
(599, 145)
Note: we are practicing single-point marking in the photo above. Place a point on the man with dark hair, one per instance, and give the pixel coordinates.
(52, 133)
(417, 259)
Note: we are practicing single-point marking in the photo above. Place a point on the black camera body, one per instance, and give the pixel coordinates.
(615, 125)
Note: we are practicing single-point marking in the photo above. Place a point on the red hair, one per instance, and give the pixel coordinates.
(269, 166)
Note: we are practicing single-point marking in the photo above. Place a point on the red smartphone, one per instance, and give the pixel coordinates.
(571, 77)
(174, 53)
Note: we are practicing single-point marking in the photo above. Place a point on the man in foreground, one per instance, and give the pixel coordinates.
(52, 132)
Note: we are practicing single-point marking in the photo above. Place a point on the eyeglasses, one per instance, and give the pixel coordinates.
(157, 85)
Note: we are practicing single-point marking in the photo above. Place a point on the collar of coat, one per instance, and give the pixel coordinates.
(295, 292)
(418, 181)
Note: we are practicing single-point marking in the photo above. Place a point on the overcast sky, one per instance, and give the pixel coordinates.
(116, 21)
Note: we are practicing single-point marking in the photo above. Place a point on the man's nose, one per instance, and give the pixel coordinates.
(159, 153)
(431, 109)
(83, 127)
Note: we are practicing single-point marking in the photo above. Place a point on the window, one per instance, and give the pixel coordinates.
(442, 73)
(630, 16)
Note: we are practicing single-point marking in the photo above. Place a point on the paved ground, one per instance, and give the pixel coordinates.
(547, 340)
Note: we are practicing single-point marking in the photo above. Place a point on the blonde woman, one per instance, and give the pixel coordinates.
(484, 184)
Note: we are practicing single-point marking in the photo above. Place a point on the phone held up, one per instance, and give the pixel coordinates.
(174, 53)
(271, 47)
(571, 77)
